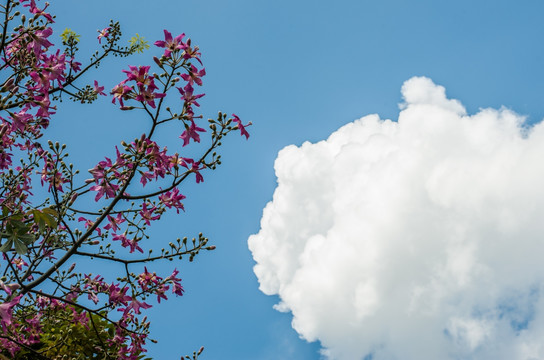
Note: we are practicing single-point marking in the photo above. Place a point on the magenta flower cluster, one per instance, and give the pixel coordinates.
(131, 189)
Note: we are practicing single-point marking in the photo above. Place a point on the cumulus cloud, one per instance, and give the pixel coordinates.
(416, 239)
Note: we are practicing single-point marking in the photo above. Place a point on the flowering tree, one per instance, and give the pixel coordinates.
(50, 306)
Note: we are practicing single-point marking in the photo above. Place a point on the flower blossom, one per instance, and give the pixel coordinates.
(242, 128)
(145, 85)
(39, 41)
(104, 33)
(172, 199)
(136, 306)
(191, 132)
(20, 120)
(89, 223)
(177, 289)
(147, 214)
(104, 188)
(40, 12)
(114, 222)
(194, 75)
(19, 263)
(125, 242)
(147, 279)
(6, 310)
(195, 167)
(121, 92)
(99, 90)
(171, 44)
(118, 295)
(187, 95)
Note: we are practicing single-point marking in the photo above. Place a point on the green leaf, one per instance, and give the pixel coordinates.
(50, 217)
(50, 211)
(50, 220)
(20, 247)
(69, 34)
(27, 239)
(45, 217)
(7, 245)
(138, 43)
(39, 219)
(18, 226)
(16, 217)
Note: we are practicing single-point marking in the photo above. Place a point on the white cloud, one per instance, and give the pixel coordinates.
(417, 239)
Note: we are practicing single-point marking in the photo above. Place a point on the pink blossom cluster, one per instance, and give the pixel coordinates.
(132, 189)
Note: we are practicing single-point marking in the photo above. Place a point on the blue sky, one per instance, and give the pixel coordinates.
(298, 71)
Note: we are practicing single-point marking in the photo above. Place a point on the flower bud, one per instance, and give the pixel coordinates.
(72, 199)
(8, 85)
(157, 61)
(14, 286)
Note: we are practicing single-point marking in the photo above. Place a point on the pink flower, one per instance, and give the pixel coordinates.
(175, 160)
(171, 45)
(191, 53)
(160, 292)
(39, 40)
(177, 289)
(99, 90)
(195, 167)
(172, 199)
(95, 286)
(76, 66)
(44, 104)
(194, 75)
(136, 305)
(191, 132)
(104, 188)
(117, 295)
(114, 222)
(148, 96)
(145, 177)
(121, 92)
(53, 67)
(80, 318)
(89, 223)
(104, 33)
(6, 310)
(9, 287)
(34, 10)
(122, 238)
(187, 95)
(242, 128)
(19, 263)
(147, 214)
(99, 171)
(147, 279)
(140, 75)
(132, 244)
(19, 120)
